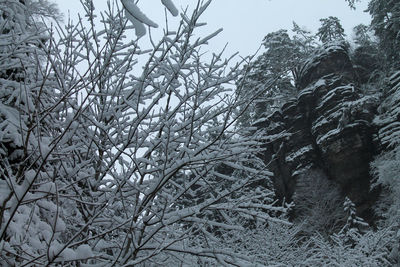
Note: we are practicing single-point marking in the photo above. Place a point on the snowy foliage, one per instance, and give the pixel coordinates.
(371, 249)
(386, 24)
(386, 169)
(103, 166)
(330, 30)
(317, 204)
(272, 76)
(139, 19)
(354, 226)
(108, 162)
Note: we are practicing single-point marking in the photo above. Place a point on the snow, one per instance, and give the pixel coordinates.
(320, 122)
(325, 51)
(301, 170)
(274, 137)
(394, 91)
(390, 127)
(261, 120)
(47, 188)
(326, 136)
(137, 17)
(334, 92)
(394, 111)
(9, 126)
(4, 192)
(45, 147)
(307, 91)
(209, 37)
(382, 120)
(291, 157)
(102, 244)
(171, 7)
(60, 225)
(140, 193)
(135, 12)
(21, 190)
(47, 205)
(365, 100)
(390, 135)
(68, 254)
(395, 78)
(320, 82)
(54, 249)
(84, 251)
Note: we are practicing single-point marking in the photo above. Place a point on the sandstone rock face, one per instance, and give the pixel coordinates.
(332, 58)
(327, 127)
(388, 118)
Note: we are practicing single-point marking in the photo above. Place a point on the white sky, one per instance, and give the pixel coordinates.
(245, 23)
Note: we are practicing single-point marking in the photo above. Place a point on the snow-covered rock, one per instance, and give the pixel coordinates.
(332, 58)
(328, 127)
(388, 119)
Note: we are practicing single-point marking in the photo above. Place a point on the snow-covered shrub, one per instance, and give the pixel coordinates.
(318, 204)
(369, 249)
(274, 244)
(386, 170)
(28, 215)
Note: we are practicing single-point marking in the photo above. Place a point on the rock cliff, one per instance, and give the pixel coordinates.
(387, 120)
(328, 126)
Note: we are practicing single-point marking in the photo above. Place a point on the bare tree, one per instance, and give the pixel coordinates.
(104, 166)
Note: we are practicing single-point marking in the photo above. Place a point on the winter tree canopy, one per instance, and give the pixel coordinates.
(115, 152)
(101, 166)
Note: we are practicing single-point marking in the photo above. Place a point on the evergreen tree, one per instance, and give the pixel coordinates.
(352, 3)
(354, 224)
(362, 35)
(272, 76)
(386, 24)
(330, 30)
(366, 55)
(305, 41)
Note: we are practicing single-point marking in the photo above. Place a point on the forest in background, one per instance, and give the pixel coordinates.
(107, 162)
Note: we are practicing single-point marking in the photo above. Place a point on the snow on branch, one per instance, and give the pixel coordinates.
(105, 162)
(171, 7)
(137, 17)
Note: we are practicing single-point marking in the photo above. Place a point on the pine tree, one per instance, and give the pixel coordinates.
(366, 55)
(272, 76)
(386, 24)
(355, 225)
(352, 3)
(330, 30)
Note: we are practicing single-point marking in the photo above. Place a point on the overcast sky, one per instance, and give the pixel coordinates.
(245, 23)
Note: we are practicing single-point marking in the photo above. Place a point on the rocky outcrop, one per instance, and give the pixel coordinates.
(332, 58)
(328, 127)
(388, 118)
